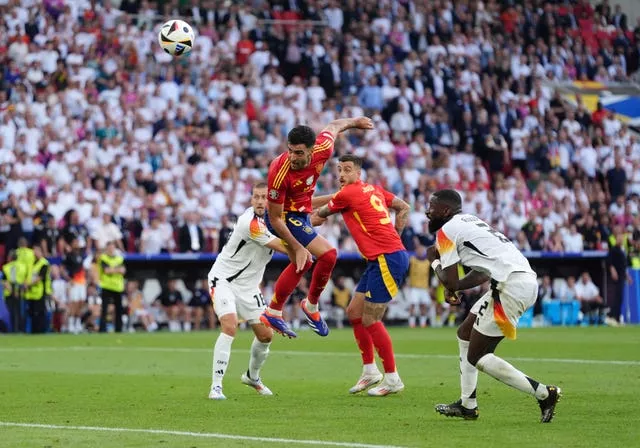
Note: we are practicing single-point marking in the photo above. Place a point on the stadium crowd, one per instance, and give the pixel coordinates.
(103, 137)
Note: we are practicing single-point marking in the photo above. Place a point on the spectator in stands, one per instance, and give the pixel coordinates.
(191, 236)
(153, 240)
(591, 303)
(107, 231)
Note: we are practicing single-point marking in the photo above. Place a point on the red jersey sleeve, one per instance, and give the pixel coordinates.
(388, 196)
(340, 200)
(277, 180)
(323, 147)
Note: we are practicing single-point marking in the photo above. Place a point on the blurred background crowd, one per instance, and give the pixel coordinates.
(104, 138)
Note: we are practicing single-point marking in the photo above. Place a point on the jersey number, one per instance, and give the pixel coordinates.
(494, 232)
(484, 306)
(259, 300)
(377, 204)
(295, 222)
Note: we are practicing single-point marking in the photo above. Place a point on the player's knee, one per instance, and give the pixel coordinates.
(473, 358)
(330, 256)
(265, 337)
(228, 327)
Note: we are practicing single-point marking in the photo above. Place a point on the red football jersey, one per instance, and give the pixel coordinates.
(294, 188)
(365, 210)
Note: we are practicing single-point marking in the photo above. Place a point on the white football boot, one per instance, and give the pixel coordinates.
(386, 387)
(258, 385)
(216, 393)
(366, 381)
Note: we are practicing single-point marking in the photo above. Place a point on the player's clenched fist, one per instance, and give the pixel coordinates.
(451, 297)
(364, 123)
(432, 253)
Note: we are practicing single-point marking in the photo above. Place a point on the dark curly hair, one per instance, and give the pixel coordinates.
(302, 135)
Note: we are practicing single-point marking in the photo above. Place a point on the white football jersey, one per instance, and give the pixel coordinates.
(244, 258)
(475, 244)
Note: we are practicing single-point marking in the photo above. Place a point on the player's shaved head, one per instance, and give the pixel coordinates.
(450, 198)
(442, 206)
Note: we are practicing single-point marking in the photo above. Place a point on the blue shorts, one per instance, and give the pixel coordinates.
(383, 277)
(298, 224)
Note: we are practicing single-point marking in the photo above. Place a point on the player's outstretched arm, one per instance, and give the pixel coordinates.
(319, 201)
(337, 126)
(402, 213)
(277, 246)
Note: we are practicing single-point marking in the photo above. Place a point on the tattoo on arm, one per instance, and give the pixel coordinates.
(324, 212)
(402, 213)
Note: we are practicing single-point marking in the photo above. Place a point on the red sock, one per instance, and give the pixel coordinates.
(322, 274)
(382, 342)
(286, 283)
(363, 339)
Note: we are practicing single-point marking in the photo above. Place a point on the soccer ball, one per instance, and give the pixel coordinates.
(176, 37)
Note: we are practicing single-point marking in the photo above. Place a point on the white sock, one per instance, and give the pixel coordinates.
(423, 321)
(174, 326)
(370, 369)
(70, 324)
(259, 353)
(310, 307)
(78, 324)
(187, 326)
(412, 321)
(505, 372)
(221, 355)
(468, 377)
(392, 377)
(296, 324)
(276, 313)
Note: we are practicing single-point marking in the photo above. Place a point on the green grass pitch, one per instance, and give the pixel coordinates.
(161, 381)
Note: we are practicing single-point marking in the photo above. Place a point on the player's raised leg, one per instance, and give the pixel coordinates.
(467, 406)
(284, 286)
(222, 353)
(259, 352)
(326, 257)
(370, 374)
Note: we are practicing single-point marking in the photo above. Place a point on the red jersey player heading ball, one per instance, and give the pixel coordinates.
(292, 182)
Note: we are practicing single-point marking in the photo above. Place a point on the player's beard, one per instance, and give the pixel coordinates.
(435, 224)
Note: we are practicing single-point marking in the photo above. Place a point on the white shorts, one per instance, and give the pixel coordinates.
(245, 301)
(515, 296)
(77, 292)
(419, 296)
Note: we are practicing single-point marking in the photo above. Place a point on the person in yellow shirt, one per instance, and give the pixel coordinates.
(38, 289)
(14, 276)
(111, 272)
(418, 289)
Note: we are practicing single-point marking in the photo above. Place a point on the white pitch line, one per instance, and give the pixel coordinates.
(307, 353)
(209, 435)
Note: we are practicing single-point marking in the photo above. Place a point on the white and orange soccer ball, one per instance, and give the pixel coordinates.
(176, 37)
